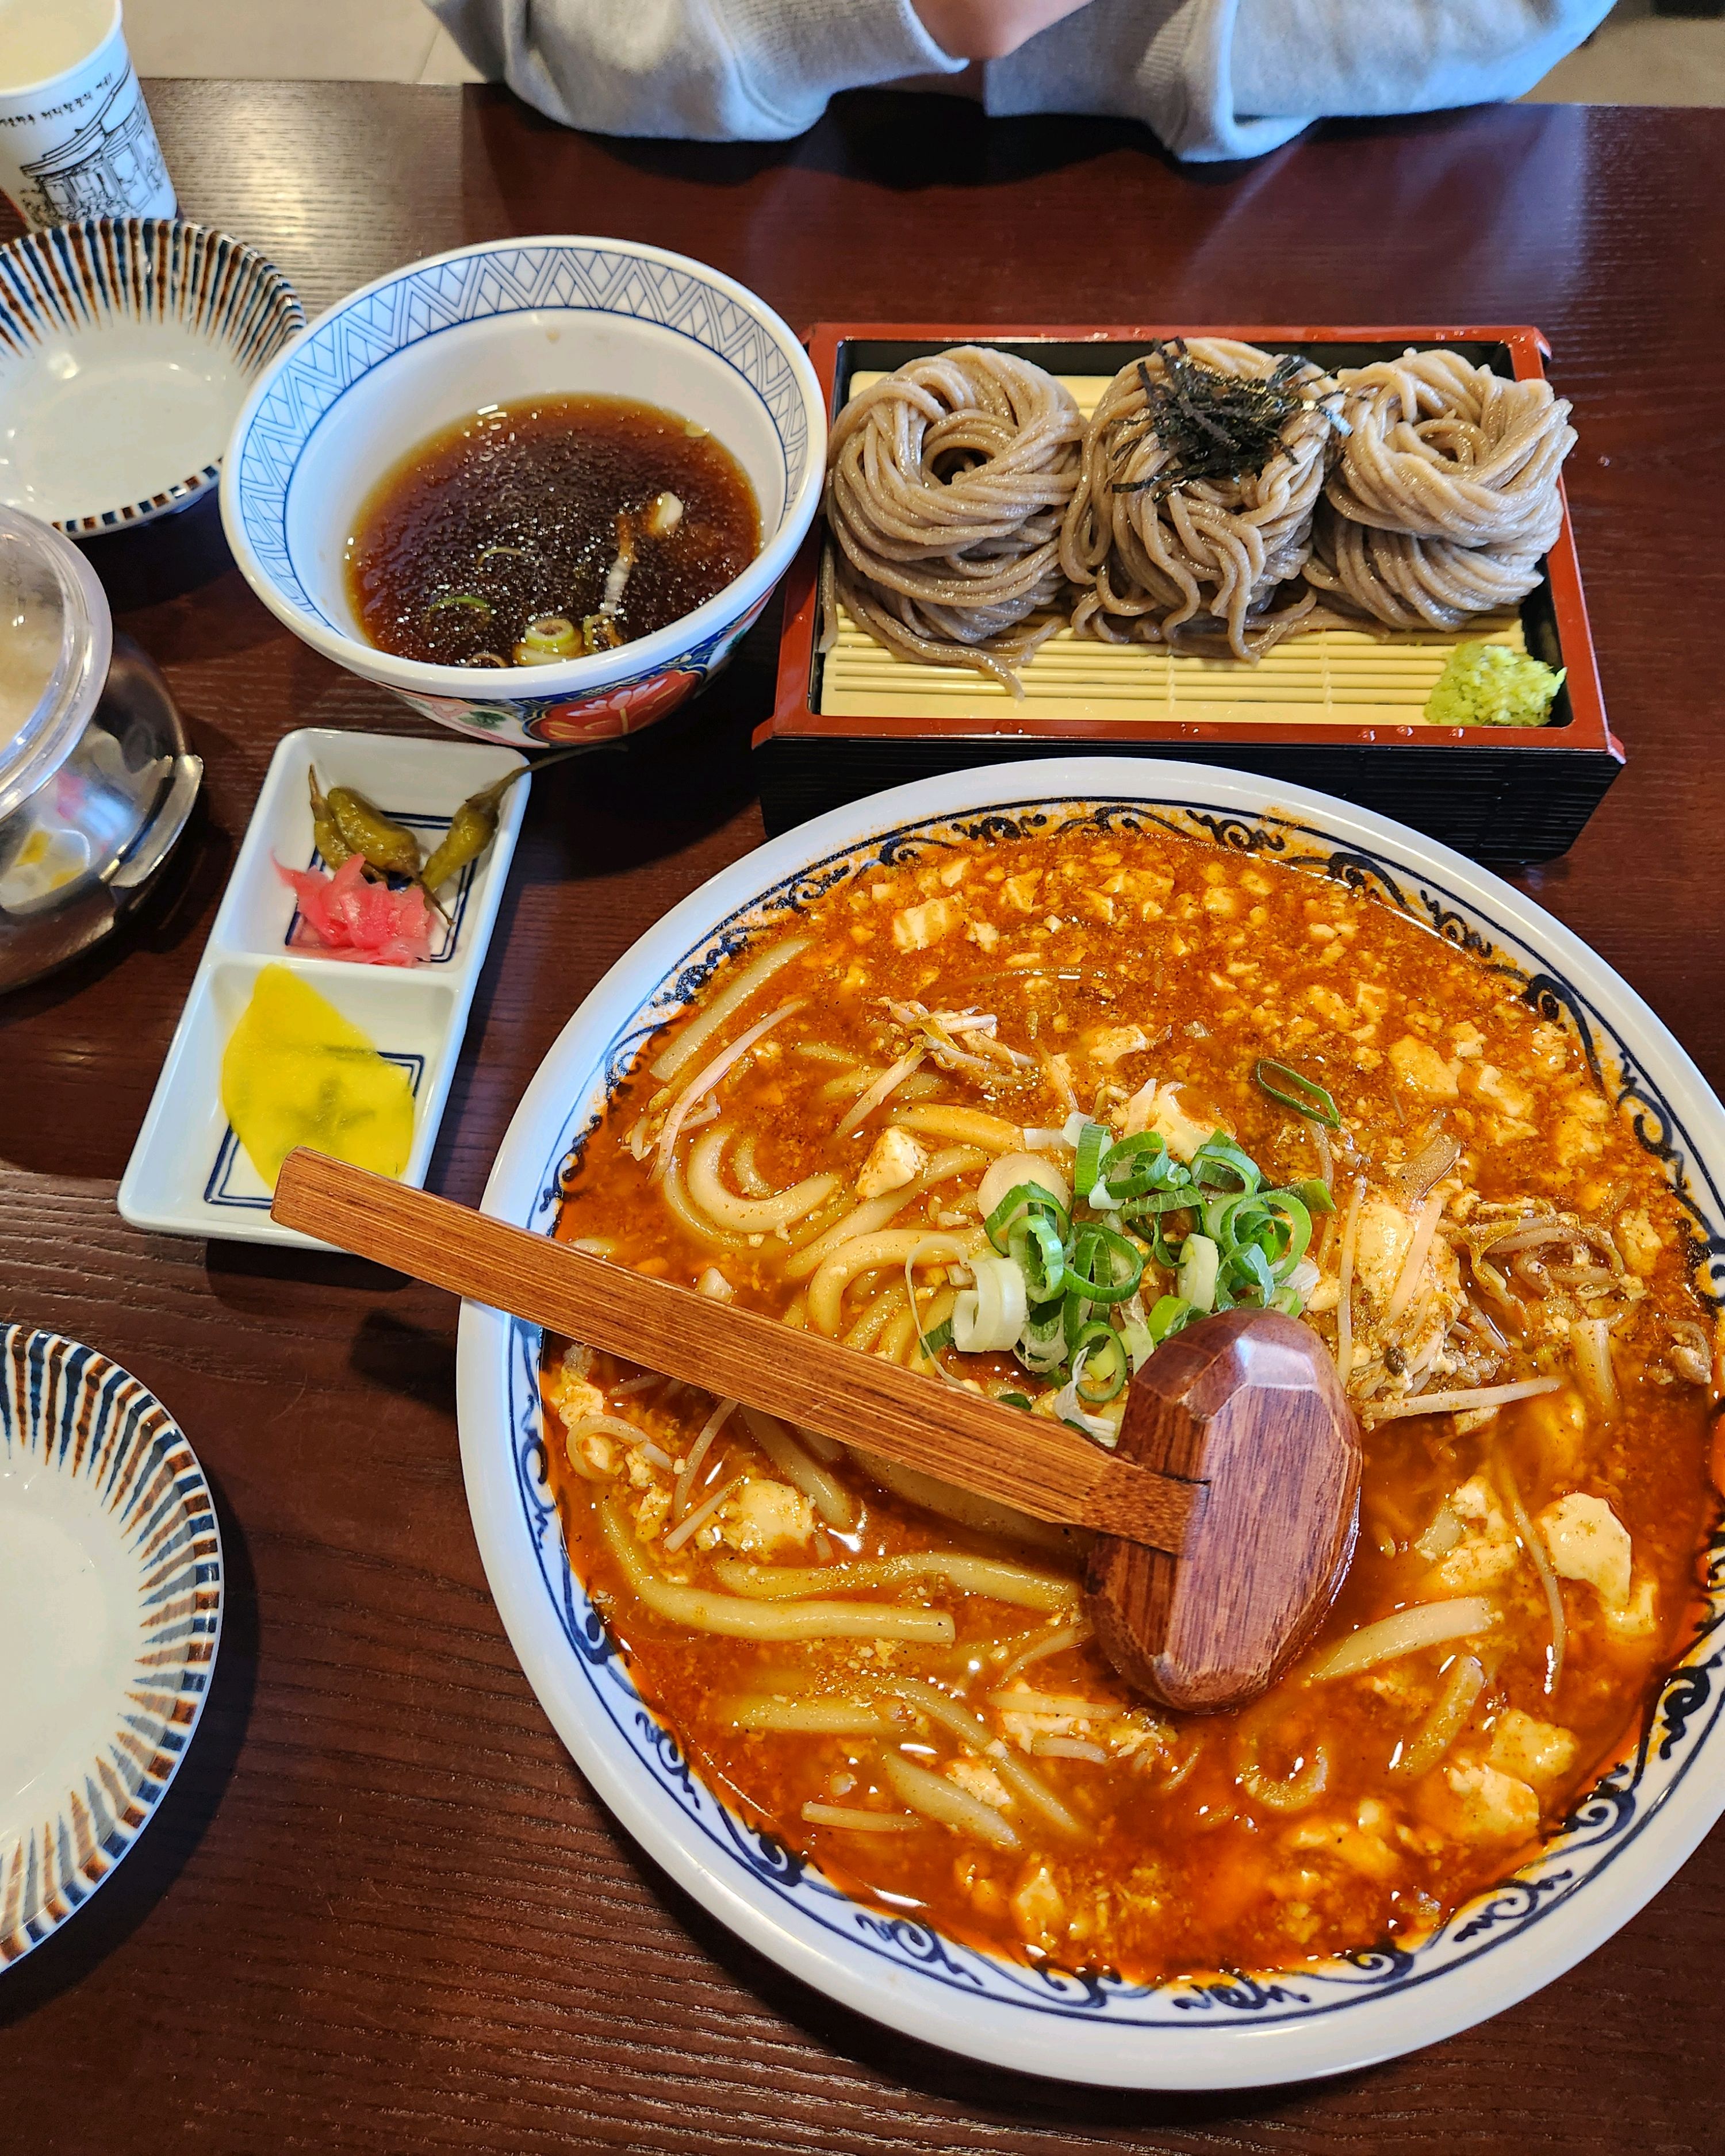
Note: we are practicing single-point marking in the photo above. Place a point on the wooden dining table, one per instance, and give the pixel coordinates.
(379, 1910)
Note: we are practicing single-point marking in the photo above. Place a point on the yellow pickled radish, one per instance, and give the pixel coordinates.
(296, 1072)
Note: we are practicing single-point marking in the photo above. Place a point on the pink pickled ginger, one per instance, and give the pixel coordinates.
(367, 922)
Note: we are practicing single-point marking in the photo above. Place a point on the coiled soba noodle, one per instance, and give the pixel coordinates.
(946, 485)
(1155, 555)
(1444, 496)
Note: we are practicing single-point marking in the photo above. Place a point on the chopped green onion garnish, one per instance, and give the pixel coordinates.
(1140, 1164)
(1200, 1280)
(1293, 1211)
(471, 600)
(1099, 1363)
(1135, 1332)
(1168, 1316)
(1091, 1141)
(1248, 1273)
(1159, 1201)
(1218, 1158)
(1103, 1267)
(1042, 1345)
(1033, 1199)
(1036, 1250)
(1284, 1084)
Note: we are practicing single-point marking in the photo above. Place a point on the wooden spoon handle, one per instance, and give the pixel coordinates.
(1041, 1467)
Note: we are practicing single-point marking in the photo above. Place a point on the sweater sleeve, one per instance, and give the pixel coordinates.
(709, 70)
(1222, 78)
(1364, 57)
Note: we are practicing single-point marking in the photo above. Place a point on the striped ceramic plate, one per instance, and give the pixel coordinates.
(127, 347)
(110, 1608)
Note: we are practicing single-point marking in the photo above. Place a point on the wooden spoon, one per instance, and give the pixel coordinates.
(1225, 1519)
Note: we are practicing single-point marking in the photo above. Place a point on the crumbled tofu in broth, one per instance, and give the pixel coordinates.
(1536, 1751)
(764, 1516)
(1588, 1542)
(1478, 1802)
(1160, 1108)
(894, 1160)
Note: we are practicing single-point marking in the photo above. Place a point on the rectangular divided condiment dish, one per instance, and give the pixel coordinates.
(189, 1174)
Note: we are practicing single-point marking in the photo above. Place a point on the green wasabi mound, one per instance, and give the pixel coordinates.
(1488, 684)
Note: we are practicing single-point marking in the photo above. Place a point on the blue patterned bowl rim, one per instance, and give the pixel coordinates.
(1622, 1843)
(443, 294)
(89, 1417)
(141, 263)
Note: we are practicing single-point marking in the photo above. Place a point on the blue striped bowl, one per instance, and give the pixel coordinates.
(127, 345)
(110, 1608)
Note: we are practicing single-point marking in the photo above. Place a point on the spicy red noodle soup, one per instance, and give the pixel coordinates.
(1023, 1110)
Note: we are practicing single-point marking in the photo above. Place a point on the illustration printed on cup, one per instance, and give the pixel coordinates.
(81, 143)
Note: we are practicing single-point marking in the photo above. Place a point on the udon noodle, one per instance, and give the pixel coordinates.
(945, 485)
(1444, 496)
(1154, 554)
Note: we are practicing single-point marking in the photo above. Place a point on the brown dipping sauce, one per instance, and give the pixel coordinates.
(512, 515)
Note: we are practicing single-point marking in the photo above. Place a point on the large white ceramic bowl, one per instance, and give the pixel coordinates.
(428, 345)
(1622, 1843)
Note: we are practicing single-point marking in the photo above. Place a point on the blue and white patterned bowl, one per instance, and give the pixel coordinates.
(431, 344)
(110, 1608)
(126, 346)
(1624, 1841)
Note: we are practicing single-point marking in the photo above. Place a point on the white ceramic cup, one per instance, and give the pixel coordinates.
(76, 136)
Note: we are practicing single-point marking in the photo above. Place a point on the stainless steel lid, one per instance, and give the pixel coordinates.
(56, 639)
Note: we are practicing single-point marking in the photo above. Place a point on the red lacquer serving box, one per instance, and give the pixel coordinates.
(1341, 711)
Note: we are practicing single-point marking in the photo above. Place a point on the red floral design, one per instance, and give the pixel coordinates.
(620, 710)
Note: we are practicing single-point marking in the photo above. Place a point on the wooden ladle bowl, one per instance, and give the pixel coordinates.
(1225, 1519)
(1246, 1406)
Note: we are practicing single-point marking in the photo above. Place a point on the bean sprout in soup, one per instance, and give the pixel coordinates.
(1017, 1112)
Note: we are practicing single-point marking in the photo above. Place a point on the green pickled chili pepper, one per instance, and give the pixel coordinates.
(472, 829)
(324, 830)
(384, 842)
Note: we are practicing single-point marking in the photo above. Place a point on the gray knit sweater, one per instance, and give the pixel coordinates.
(1214, 78)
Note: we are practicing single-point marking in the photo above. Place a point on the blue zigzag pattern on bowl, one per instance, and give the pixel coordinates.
(1605, 1823)
(71, 1410)
(423, 302)
(73, 278)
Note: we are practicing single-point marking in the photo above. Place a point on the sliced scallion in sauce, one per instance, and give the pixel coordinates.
(1285, 1085)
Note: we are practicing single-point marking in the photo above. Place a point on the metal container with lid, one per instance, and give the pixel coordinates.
(96, 778)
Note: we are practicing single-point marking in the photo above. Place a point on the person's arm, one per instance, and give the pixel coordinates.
(1367, 57)
(1219, 78)
(711, 70)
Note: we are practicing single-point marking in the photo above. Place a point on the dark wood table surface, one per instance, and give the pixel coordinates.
(379, 1911)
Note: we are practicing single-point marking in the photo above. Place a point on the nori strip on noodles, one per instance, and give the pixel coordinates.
(1212, 424)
